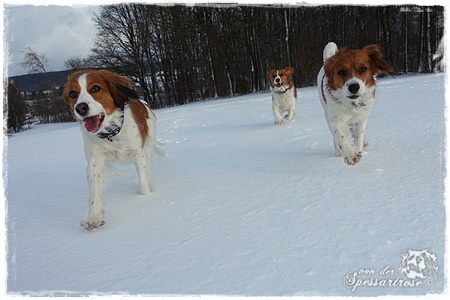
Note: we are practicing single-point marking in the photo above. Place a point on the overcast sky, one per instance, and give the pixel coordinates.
(58, 32)
(63, 32)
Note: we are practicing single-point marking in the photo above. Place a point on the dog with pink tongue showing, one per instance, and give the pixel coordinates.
(116, 127)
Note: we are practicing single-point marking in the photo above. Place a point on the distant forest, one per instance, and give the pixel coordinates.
(180, 54)
(177, 54)
(39, 82)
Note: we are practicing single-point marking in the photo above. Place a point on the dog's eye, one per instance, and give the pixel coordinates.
(362, 70)
(342, 73)
(274, 76)
(73, 94)
(95, 89)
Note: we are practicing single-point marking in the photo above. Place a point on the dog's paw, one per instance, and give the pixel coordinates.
(92, 224)
(353, 159)
(337, 152)
(278, 122)
(145, 190)
(290, 118)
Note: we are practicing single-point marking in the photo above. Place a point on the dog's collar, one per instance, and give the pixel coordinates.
(353, 103)
(112, 131)
(281, 92)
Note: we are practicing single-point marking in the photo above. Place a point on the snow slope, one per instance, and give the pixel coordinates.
(241, 206)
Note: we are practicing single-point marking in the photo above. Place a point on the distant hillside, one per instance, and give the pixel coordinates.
(38, 82)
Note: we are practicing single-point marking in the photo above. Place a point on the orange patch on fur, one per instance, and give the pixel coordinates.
(345, 65)
(103, 96)
(364, 64)
(284, 74)
(72, 85)
(140, 114)
(111, 90)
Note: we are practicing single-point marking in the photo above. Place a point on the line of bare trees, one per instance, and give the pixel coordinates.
(47, 109)
(180, 54)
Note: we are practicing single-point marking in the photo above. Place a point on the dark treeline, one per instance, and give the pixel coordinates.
(180, 54)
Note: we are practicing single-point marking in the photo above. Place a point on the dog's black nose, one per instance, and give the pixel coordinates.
(82, 108)
(353, 88)
(277, 79)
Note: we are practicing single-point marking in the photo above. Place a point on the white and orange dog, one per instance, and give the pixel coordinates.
(284, 94)
(116, 127)
(347, 88)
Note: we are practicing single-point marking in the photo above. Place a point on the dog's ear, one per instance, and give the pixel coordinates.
(378, 64)
(289, 70)
(120, 87)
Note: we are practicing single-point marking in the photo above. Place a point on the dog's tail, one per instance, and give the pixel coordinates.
(329, 50)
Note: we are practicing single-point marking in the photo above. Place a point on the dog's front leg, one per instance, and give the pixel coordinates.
(351, 155)
(358, 132)
(143, 170)
(291, 114)
(95, 181)
(277, 115)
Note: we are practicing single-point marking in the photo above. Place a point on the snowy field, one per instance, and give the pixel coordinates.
(241, 207)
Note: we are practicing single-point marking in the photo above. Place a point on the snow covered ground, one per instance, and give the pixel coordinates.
(241, 207)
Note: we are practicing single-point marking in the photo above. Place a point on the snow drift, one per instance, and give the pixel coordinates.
(241, 206)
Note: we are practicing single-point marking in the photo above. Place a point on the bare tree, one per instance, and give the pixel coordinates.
(180, 54)
(34, 62)
(77, 63)
(50, 109)
(16, 106)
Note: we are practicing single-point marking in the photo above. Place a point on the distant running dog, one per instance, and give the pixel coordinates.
(116, 126)
(347, 89)
(284, 94)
